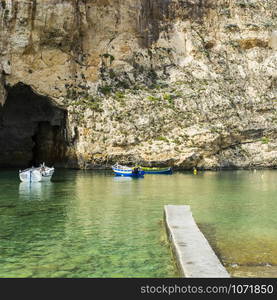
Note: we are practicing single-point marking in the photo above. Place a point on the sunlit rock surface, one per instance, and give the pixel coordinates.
(167, 82)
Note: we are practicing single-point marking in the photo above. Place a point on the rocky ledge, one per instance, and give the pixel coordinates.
(85, 84)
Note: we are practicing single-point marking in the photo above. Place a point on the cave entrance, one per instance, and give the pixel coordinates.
(32, 129)
(48, 144)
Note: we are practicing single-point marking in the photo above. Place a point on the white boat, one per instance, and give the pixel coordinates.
(42, 173)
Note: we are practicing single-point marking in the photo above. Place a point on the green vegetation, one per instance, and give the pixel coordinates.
(105, 89)
(265, 140)
(91, 102)
(153, 98)
(169, 98)
(162, 138)
(119, 95)
(178, 142)
(215, 130)
(83, 99)
(178, 94)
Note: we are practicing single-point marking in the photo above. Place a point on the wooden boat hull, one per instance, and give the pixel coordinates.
(36, 174)
(157, 170)
(128, 172)
(31, 175)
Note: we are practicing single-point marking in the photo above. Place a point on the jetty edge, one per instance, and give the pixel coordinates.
(194, 255)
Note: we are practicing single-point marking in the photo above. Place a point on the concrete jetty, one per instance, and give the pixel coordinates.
(193, 253)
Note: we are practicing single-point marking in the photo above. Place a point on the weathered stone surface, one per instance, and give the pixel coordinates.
(194, 255)
(186, 83)
(273, 40)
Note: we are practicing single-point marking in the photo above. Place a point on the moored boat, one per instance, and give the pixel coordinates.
(155, 170)
(127, 171)
(42, 173)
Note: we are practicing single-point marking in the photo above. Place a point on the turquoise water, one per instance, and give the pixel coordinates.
(92, 224)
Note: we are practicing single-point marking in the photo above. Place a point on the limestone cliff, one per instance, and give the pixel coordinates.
(166, 82)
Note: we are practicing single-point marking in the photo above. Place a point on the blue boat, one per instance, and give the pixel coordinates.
(127, 171)
(157, 170)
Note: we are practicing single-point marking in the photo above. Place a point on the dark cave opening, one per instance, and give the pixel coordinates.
(32, 129)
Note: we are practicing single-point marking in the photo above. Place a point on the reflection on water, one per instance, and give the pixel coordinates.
(92, 224)
(122, 179)
(35, 190)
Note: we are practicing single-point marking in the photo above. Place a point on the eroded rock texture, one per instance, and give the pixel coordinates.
(186, 83)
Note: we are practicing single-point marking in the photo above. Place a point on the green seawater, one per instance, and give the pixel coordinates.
(92, 224)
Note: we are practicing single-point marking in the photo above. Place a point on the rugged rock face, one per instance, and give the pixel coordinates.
(166, 82)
